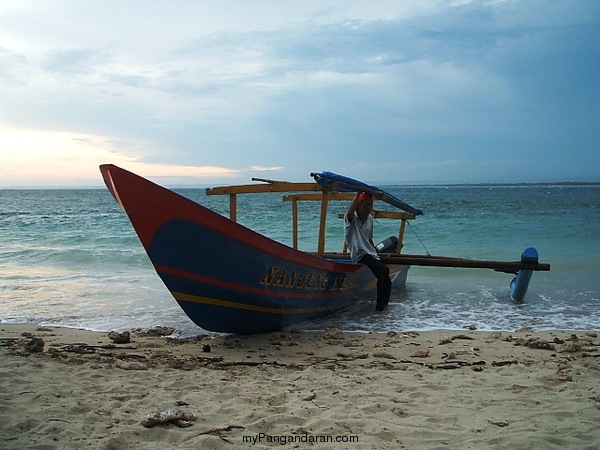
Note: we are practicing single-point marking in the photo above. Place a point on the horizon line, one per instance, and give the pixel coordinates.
(424, 184)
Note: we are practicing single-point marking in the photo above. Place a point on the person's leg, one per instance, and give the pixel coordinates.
(384, 284)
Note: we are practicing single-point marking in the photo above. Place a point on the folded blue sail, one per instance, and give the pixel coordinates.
(347, 184)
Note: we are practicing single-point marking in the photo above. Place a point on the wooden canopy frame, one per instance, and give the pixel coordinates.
(306, 192)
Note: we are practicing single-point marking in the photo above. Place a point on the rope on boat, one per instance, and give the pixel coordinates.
(417, 236)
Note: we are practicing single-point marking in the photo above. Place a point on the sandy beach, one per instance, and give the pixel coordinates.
(64, 388)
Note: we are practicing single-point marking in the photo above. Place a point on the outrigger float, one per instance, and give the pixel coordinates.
(228, 278)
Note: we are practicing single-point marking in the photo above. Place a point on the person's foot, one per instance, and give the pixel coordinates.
(382, 303)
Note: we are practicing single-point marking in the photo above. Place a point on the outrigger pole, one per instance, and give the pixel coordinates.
(448, 261)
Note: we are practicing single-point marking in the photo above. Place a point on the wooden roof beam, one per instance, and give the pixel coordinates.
(275, 186)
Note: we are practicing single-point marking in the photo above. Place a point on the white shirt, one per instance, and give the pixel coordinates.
(358, 236)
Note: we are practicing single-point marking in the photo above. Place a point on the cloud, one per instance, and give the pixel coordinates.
(57, 158)
(313, 84)
(14, 69)
(73, 61)
(266, 168)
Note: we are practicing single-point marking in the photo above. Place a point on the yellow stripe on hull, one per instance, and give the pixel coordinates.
(180, 296)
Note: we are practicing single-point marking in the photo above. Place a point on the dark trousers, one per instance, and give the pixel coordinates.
(384, 283)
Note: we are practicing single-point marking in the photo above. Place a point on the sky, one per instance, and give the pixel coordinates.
(199, 92)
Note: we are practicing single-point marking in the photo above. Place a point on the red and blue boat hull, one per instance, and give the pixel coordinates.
(228, 278)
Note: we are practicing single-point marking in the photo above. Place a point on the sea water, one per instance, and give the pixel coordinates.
(69, 257)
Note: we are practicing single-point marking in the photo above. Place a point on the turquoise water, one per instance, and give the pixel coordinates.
(71, 258)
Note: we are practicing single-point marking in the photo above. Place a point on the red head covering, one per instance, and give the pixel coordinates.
(364, 196)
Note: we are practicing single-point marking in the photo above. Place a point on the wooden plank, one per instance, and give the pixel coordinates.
(446, 261)
(500, 266)
(276, 186)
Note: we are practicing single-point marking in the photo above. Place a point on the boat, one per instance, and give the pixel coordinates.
(228, 278)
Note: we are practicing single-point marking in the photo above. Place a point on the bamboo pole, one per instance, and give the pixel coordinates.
(401, 236)
(440, 261)
(323, 222)
(275, 186)
(233, 207)
(449, 261)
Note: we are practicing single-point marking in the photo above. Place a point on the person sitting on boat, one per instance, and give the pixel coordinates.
(358, 230)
